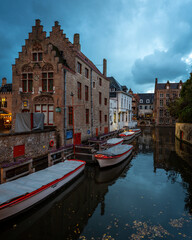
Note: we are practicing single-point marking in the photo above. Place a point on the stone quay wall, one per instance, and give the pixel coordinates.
(183, 131)
(15, 146)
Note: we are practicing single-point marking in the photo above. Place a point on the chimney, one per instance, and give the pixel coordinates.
(4, 81)
(37, 22)
(76, 41)
(105, 67)
(156, 81)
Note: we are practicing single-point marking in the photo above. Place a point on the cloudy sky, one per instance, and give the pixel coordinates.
(141, 39)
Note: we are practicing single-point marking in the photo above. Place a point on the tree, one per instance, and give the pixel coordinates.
(181, 108)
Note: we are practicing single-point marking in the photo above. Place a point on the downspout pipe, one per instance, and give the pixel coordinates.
(91, 90)
(65, 110)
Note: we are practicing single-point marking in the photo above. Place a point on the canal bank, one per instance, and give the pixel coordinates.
(148, 196)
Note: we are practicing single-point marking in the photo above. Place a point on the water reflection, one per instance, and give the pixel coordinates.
(148, 196)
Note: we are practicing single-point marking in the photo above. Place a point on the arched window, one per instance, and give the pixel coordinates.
(37, 53)
(27, 79)
(47, 78)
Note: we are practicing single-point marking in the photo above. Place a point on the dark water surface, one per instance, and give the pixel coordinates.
(148, 196)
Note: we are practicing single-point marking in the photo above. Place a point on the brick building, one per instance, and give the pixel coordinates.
(5, 103)
(164, 93)
(52, 75)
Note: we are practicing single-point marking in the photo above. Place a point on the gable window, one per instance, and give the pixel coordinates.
(37, 56)
(47, 81)
(99, 97)
(86, 93)
(27, 82)
(79, 67)
(87, 116)
(37, 53)
(79, 90)
(70, 117)
(86, 72)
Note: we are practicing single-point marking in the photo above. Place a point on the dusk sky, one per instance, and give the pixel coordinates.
(141, 39)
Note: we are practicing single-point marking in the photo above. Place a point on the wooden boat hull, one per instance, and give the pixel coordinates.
(107, 162)
(24, 202)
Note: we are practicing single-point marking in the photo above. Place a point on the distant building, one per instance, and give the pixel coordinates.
(164, 93)
(135, 104)
(120, 106)
(52, 76)
(146, 106)
(5, 104)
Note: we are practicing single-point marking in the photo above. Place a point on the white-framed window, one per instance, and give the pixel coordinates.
(147, 101)
(141, 100)
(161, 95)
(47, 110)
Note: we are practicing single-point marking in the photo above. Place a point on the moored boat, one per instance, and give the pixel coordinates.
(135, 130)
(22, 193)
(114, 141)
(113, 155)
(127, 135)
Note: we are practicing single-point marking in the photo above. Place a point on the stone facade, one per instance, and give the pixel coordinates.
(164, 93)
(53, 76)
(135, 104)
(27, 141)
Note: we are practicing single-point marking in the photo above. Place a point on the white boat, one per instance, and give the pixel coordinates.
(114, 141)
(127, 135)
(113, 155)
(135, 130)
(22, 193)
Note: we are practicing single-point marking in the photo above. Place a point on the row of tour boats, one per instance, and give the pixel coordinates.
(24, 192)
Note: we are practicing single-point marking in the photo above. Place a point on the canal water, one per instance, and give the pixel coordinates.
(148, 196)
